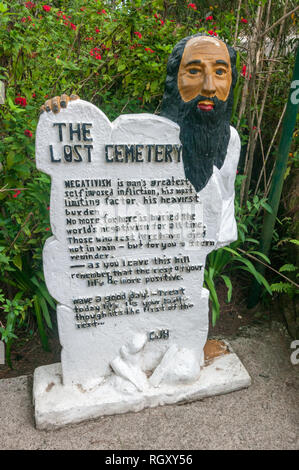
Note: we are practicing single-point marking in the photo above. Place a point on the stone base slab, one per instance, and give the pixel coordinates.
(57, 405)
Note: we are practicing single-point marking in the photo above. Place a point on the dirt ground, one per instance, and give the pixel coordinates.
(27, 352)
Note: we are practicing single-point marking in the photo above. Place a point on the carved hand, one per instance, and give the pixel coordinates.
(58, 102)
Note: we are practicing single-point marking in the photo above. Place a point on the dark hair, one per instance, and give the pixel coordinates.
(171, 93)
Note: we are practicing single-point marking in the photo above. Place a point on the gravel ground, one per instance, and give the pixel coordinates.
(264, 416)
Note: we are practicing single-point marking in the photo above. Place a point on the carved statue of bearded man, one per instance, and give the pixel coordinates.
(201, 75)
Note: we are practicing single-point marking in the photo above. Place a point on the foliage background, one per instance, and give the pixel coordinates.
(114, 54)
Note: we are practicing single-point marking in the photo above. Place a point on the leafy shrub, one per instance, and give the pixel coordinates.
(113, 54)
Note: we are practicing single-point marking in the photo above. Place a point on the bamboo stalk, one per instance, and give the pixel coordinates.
(237, 23)
(253, 136)
(268, 80)
(284, 17)
(263, 156)
(267, 266)
(269, 149)
(250, 148)
(19, 232)
(289, 122)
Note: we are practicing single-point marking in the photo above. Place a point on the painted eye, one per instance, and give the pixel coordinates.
(220, 71)
(193, 71)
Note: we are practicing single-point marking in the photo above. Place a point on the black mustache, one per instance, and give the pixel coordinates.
(212, 99)
(200, 98)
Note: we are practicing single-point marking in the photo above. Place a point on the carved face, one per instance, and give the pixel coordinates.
(205, 69)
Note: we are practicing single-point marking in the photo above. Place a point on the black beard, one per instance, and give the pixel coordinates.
(205, 136)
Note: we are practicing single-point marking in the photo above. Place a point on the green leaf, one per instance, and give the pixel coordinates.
(45, 310)
(252, 240)
(3, 7)
(17, 261)
(10, 160)
(282, 287)
(288, 267)
(230, 250)
(42, 333)
(121, 67)
(229, 286)
(261, 255)
(214, 298)
(260, 279)
(266, 206)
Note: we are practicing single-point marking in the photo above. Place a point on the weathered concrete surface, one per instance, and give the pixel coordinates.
(264, 416)
(57, 405)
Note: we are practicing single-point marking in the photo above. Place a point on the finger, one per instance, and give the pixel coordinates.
(48, 105)
(42, 109)
(74, 97)
(64, 99)
(55, 105)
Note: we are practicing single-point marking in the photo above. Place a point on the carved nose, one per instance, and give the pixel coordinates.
(208, 87)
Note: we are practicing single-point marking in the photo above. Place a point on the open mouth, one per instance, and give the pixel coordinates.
(206, 105)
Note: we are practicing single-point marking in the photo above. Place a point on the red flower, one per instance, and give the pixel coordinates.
(47, 229)
(46, 8)
(192, 5)
(23, 19)
(102, 12)
(95, 52)
(82, 8)
(209, 18)
(73, 26)
(138, 34)
(21, 101)
(244, 72)
(17, 192)
(28, 133)
(33, 95)
(162, 22)
(211, 32)
(29, 5)
(243, 20)
(148, 49)
(97, 30)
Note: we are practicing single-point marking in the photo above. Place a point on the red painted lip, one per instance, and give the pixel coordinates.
(205, 106)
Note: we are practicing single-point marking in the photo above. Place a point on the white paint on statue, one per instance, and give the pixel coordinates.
(150, 278)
